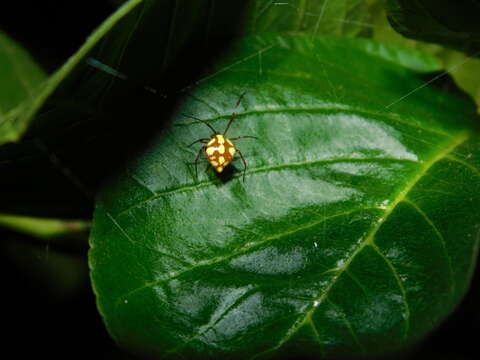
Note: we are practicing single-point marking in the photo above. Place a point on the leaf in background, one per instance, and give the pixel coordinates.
(451, 23)
(141, 38)
(59, 87)
(80, 125)
(44, 228)
(464, 69)
(346, 18)
(117, 2)
(58, 275)
(58, 192)
(21, 81)
(20, 78)
(349, 18)
(354, 233)
(20, 122)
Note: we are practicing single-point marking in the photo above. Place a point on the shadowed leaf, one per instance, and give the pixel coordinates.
(21, 79)
(451, 23)
(354, 233)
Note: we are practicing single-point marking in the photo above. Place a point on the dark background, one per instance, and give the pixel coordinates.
(41, 321)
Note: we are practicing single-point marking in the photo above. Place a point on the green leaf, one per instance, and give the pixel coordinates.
(335, 18)
(451, 23)
(76, 89)
(19, 123)
(42, 227)
(464, 69)
(466, 72)
(81, 122)
(68, 75)
(20, 75)
(355, 231)
(57, 274)
(20, 78)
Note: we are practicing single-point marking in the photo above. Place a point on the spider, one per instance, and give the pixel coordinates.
(219, 149)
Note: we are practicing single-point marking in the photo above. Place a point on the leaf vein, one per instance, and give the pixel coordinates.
(132, 241)
(475, 170)
(440, 237)
(262, 169)
(348, 324)
(356, 281)
(369, 240)
(213, 323)
(400, 286)
(241, 251)
(141, 183)
(329, 108)
(317, 336)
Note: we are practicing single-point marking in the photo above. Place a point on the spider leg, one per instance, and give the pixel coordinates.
(234, 114)
(196, 160)
(204, 140)
(201, 121)
(244, 164)
(240, 99)
(243, 137)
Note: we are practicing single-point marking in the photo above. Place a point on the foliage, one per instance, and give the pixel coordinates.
(355, 232)
(222, 268)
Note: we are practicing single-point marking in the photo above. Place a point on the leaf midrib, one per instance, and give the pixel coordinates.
(328, 108)
(242, 251)
(370, 240)
(276, 167)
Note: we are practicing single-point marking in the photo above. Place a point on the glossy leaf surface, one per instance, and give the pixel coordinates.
(355, 231)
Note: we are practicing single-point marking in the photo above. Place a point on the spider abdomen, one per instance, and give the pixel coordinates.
(219, 152)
